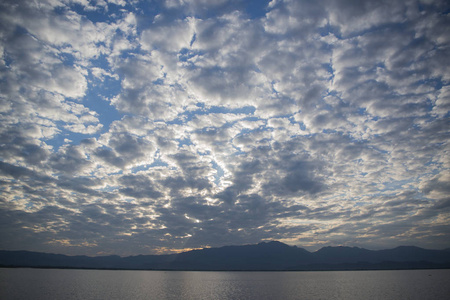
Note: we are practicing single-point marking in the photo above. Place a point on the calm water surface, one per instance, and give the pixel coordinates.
(101, 284)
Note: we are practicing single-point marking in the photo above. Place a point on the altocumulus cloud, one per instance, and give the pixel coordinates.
(135, 127)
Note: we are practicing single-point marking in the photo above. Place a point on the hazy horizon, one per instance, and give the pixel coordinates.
(157, 126)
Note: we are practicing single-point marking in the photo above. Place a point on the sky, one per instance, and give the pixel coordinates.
(159, 126)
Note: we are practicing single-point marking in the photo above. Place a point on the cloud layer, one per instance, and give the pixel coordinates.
(143, 127)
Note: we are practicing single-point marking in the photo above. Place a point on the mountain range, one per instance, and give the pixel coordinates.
(265, 256)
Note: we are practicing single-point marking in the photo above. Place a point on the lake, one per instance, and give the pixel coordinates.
(48, 284)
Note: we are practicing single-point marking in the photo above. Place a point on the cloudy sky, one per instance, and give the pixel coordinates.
(139, 127)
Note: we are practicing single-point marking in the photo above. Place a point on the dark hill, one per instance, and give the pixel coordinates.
(262, 256)
(341, 254)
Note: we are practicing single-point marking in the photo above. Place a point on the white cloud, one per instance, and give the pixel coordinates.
(356, 16)
(288, 126)
(168, 37)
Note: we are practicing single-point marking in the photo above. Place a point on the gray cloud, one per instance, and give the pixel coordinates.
(69, 160)
(138, 186)
(299, 179)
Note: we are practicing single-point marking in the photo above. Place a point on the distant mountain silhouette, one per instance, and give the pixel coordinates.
(263, 256)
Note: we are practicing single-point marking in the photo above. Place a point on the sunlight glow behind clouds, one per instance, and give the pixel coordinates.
(134, 127)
